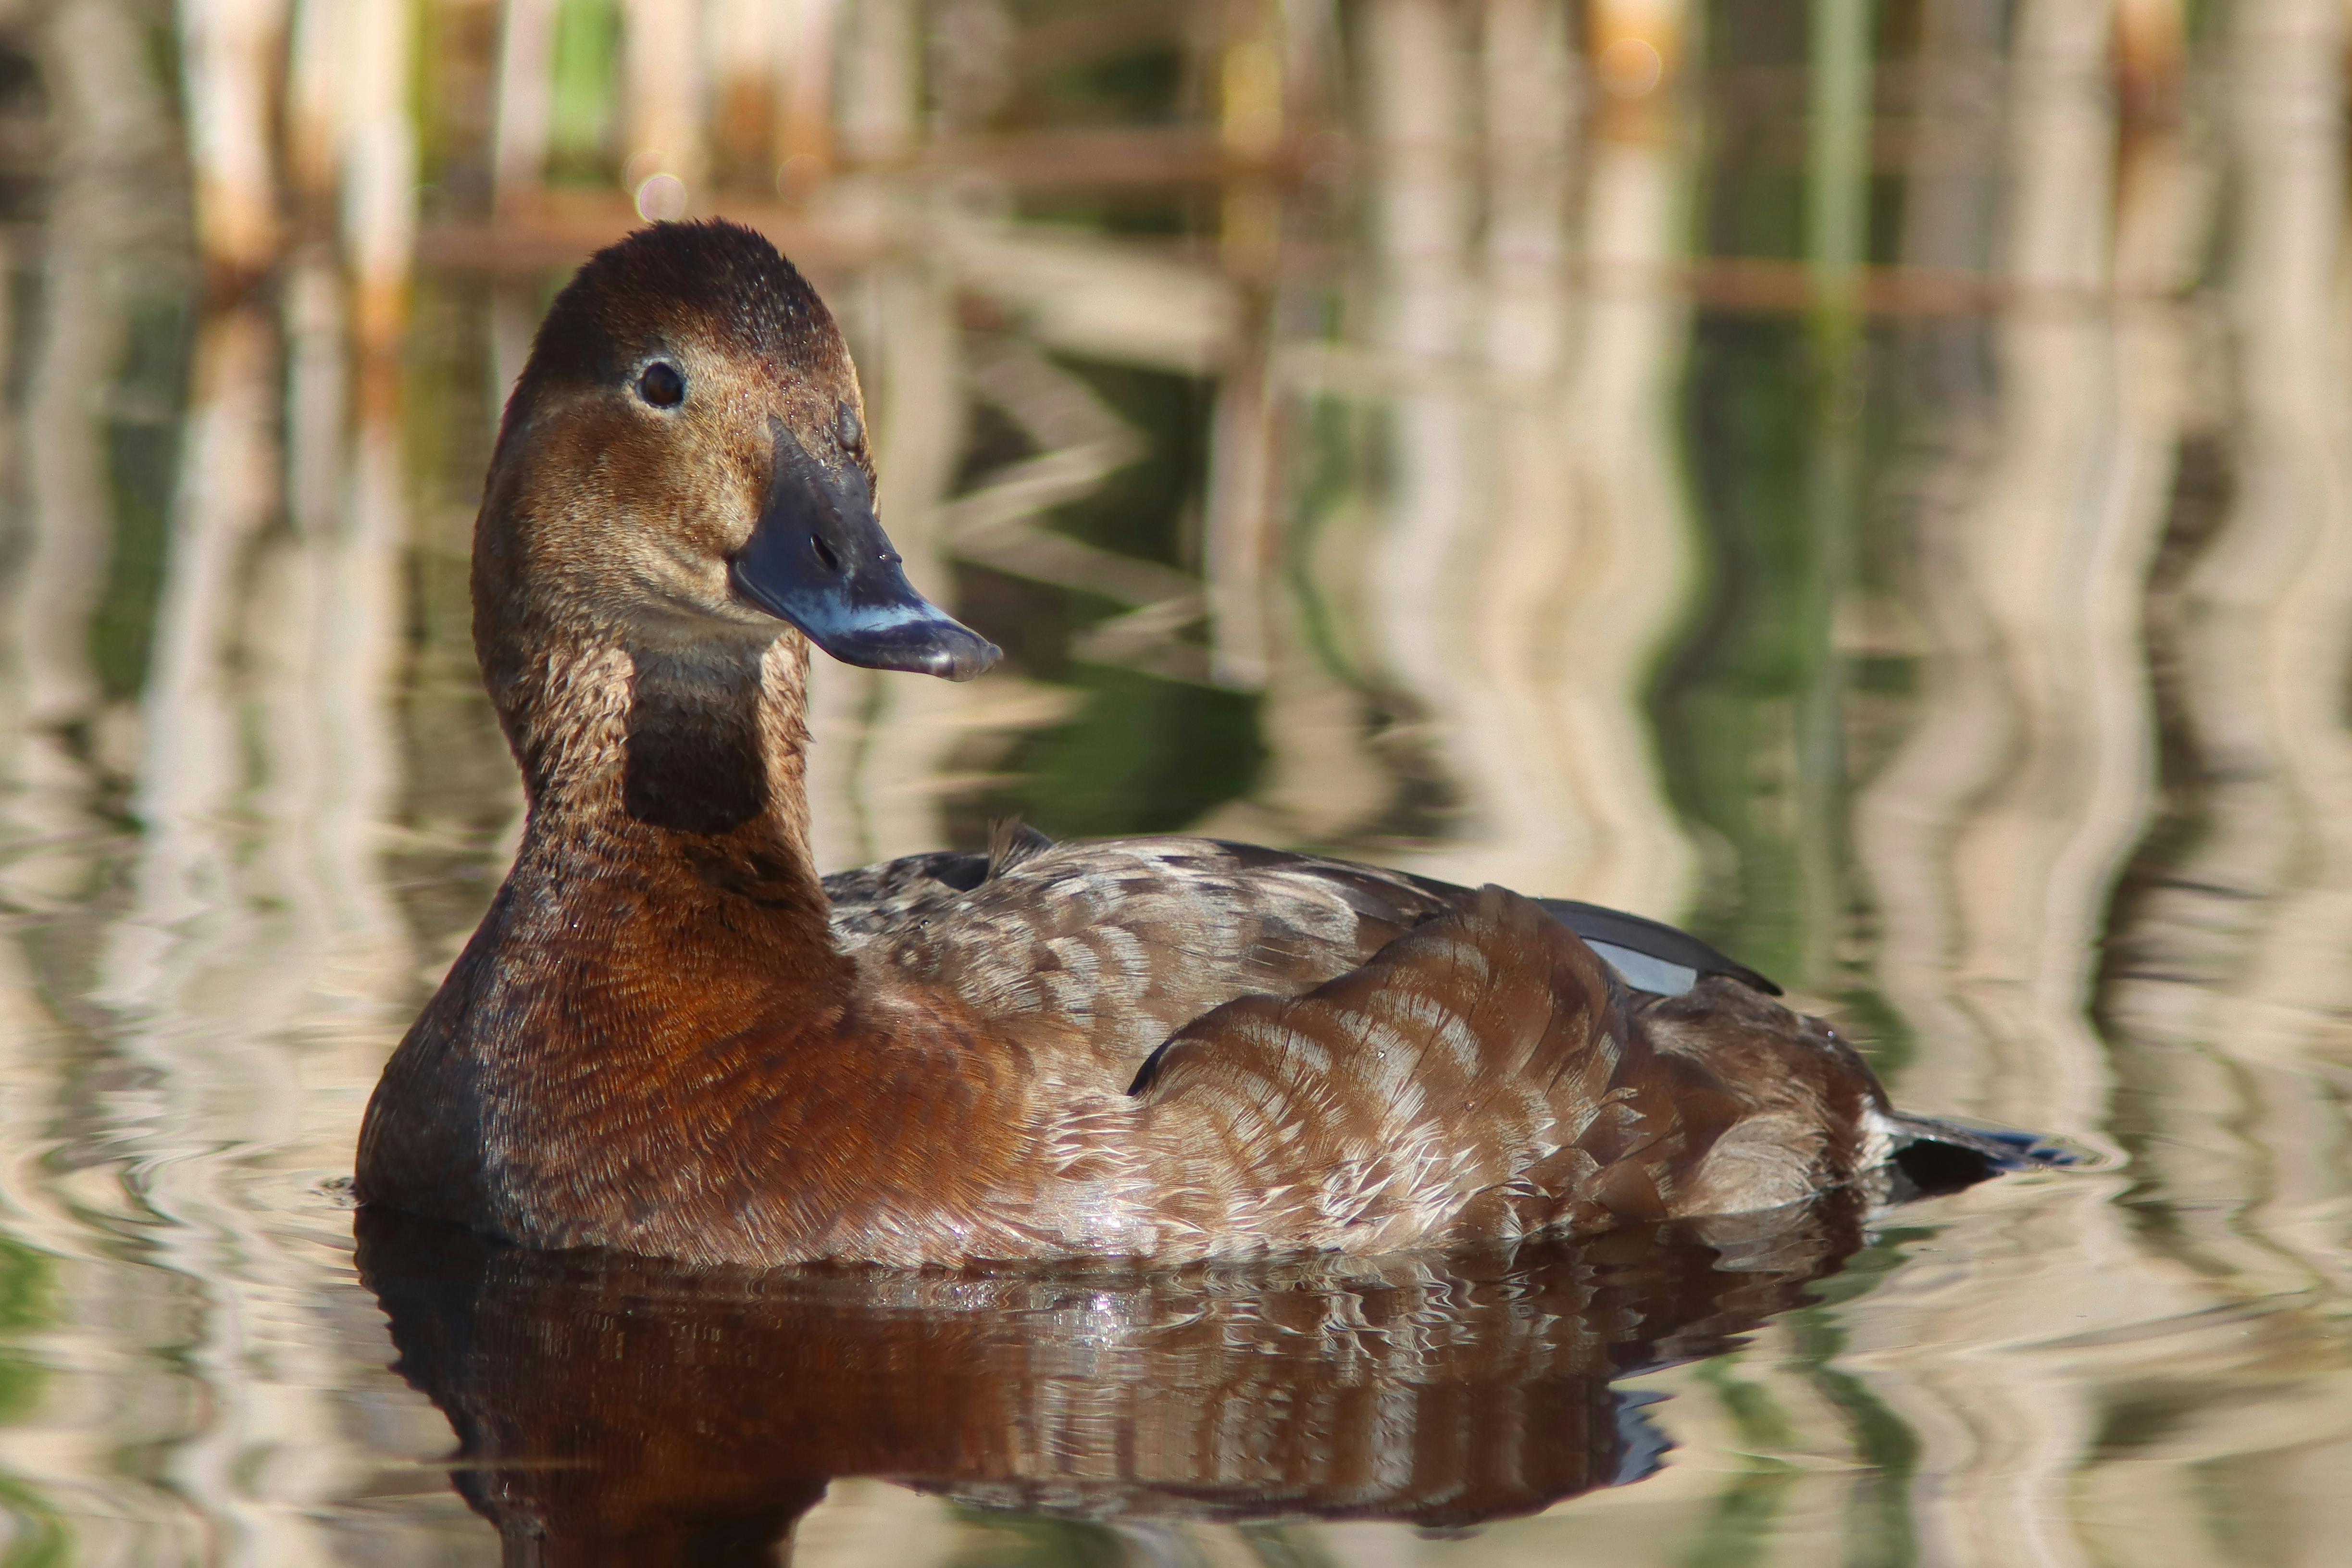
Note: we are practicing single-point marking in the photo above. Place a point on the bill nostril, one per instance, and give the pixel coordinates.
(824, 556)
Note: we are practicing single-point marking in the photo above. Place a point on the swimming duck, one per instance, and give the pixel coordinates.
(669, 1036)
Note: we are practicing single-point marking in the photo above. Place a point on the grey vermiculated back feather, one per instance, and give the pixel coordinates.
(1243, 918)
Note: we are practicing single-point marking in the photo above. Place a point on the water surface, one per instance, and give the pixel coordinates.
(1943, 605)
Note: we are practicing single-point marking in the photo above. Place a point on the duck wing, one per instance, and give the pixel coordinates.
(1650, 955)
(1479, 1079)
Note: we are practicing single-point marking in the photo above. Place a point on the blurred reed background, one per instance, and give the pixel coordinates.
(1867, 478)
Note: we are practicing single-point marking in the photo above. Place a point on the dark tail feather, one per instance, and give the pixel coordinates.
(1933, 1156)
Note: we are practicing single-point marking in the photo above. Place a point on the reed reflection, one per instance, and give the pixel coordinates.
(625, 1409)
(1462, 518)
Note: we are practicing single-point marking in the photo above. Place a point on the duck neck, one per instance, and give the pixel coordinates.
(666, 771)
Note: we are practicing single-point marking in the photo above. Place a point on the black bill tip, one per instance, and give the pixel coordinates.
(963, 658)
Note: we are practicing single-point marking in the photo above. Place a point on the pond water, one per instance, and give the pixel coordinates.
(1912, 548)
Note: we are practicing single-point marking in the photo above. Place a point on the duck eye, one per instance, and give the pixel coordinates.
(851, 431)
(661, 386)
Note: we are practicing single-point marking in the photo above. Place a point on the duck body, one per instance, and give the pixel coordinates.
(670, 1037)
(1162, 1048)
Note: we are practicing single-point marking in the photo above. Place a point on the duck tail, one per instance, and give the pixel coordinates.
(1931, 1156)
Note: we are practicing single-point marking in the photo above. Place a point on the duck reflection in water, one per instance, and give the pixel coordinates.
(616, 1409)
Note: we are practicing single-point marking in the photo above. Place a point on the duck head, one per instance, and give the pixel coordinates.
(683, 465)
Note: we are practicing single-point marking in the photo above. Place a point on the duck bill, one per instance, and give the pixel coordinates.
(819, 558)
